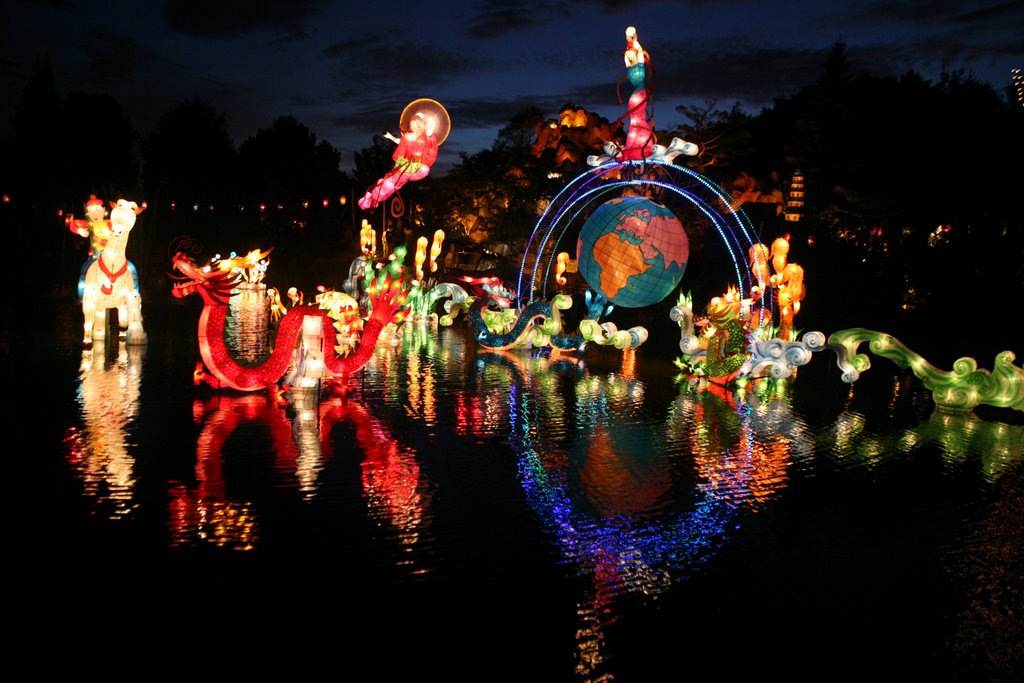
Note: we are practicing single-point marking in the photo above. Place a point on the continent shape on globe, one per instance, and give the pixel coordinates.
(633, 251)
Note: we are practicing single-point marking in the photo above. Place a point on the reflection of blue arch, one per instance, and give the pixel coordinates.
(668, 545)
(731, 224)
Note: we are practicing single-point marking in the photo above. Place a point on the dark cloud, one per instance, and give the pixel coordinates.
(377, 65)
(501, 21)
(718, 71)
(223, 18)
(112, 57)
(348, 69)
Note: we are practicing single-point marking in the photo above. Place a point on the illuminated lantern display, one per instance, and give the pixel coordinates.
(759, 259)
(424, 125)
(641, 142)
(421, 256)
(779, 253)
(108, 283)
(795, 201)
(368, 239)
(435, 249)
(788, 282)
(306, 337)
(639, 136)
(563, 263)
(633, 251)
(959, 390)
(96, 228)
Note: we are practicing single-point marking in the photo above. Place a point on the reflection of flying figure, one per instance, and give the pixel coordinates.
(415, 154)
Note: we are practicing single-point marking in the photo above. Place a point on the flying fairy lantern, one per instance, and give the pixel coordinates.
(424, 125)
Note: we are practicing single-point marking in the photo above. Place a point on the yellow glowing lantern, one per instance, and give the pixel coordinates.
(421, 256)
(563, 263)
(435, 249)
(367, 238)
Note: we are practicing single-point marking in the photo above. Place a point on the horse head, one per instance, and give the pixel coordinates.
(122, 215)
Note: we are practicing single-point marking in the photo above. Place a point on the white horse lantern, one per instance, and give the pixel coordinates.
(109, 283)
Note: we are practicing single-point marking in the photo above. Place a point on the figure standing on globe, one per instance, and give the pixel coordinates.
(639, 135)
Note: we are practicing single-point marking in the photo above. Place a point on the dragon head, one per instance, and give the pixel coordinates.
(212, 284)
(492, 288)
(721, 311)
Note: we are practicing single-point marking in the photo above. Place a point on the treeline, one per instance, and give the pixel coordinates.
(886, 162)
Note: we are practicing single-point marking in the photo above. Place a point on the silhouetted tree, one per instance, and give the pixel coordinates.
(279, 164)
(521, 131)
(39, 141)
(189, 157)
(190, 169)
(62, 151)
(101, 149)
(290, 173)
(372, 162)
(721, 135)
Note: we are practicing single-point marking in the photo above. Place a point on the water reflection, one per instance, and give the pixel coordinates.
(396, 491)
(428, 362)
(299, 428)
(636, 484)
(633, 499)
(99, 450)
(246, 324)
(203, 510)
(960, 437)
(990, 568)
(743, 443)
(987, 560)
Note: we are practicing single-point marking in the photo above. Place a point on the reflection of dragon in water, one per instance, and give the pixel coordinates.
(209, 510)
(386, 294)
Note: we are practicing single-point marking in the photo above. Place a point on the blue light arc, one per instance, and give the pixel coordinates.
(564, 212)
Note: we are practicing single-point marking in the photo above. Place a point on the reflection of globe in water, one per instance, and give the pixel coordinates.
(633, 251)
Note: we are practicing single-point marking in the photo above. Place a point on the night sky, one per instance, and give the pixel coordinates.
(347, 70)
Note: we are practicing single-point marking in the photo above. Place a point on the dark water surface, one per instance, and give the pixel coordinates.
(464, 515)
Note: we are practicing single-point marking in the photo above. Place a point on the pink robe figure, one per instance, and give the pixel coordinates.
(415, 154)
(640, 136)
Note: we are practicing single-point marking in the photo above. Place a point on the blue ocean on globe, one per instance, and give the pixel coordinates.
(633, 251)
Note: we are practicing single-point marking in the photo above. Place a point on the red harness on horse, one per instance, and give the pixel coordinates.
(112, 276)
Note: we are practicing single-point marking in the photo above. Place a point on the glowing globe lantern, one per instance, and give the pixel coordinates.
(633, 251)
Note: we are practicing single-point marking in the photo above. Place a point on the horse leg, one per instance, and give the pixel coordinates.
(133, 320)
(122, 318)
(99, 324)
(89, 317)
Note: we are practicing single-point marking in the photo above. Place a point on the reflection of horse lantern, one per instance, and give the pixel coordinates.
(100, 449)
(109, 283)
